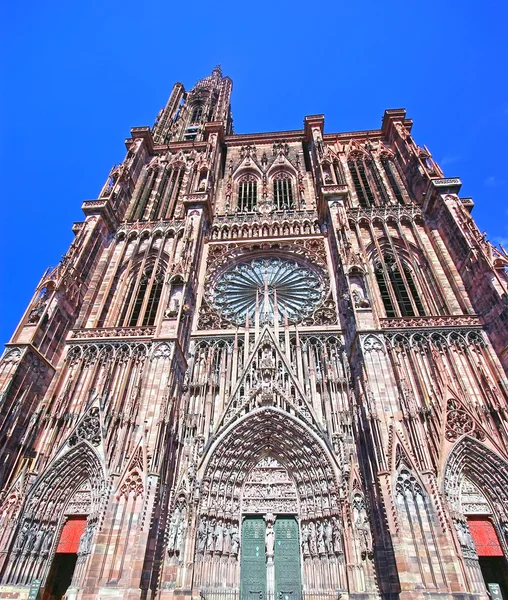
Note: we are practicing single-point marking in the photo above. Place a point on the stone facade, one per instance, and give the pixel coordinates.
(299, 324)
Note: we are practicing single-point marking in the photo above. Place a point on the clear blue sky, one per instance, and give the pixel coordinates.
(76, 76)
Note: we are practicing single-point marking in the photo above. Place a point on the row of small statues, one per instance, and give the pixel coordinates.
(218, 535)
(35, 538)
(321, 537)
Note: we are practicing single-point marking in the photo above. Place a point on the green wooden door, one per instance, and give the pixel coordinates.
(288, 584)
(253, 569)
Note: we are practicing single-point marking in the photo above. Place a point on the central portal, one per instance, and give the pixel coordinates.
(270, 559)
(270, 566)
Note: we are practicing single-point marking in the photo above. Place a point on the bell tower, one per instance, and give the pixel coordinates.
(186, 113)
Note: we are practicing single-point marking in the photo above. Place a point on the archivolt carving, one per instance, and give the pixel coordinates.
(52, 495)
(274, 433)
(486, 469)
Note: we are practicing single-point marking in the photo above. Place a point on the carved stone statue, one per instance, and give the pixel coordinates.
(364, 536)
(210, 536)
(227, 539)
(173, 528)
(269, 539)
(321, 538)
(202, 534)
(219, 536)
(48, 540)
(30, 538)
(312, 539)
(84, 542)
(22, 537)
(305, 540)
(337, 542)
(328, 536)
(235, 540)
(39, 538)
(180, 535)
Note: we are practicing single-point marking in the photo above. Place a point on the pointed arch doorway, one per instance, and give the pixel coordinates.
(270, 565)
(269, 462)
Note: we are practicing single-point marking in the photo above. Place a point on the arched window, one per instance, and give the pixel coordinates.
(247, 194)
(142, 299)
(397, 288)
(389, 168)
(168, 192)
(197, 113)
(142, 193)
(283, 192)
(368, 184)
(358, 169)
(339, 175)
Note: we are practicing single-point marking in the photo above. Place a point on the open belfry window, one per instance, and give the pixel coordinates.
(358, 168)
(283, 192)
(368, 183)
(142, 299)
(397, 288)
(247, 194)
(197, 113)
(389, 169)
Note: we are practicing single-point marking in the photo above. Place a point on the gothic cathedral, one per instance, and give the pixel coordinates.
(271, 366)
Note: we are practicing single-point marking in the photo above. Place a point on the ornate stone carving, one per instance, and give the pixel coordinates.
(465, 539)
(437, 322)
(178, 527)
(269, 489)
(459, 422)
(306, 252)
(89, 429)
(113, 332)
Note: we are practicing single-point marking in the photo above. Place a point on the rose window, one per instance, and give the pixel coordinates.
(275, 285)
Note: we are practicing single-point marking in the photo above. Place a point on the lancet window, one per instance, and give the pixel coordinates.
(397, 288)
(337, 170)
(357, 168)
(156, 196)
(145, 192)
(367, 182)
(167, 194)
(197, 113)
(247, 194)
(142, 299)
(283, 198)
(389, 169)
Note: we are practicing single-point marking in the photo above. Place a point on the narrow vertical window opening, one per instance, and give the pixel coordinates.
(283, 192)
(401, 286)
(392, 180)
(247, 194)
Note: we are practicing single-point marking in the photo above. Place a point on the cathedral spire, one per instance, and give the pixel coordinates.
(186, 113)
